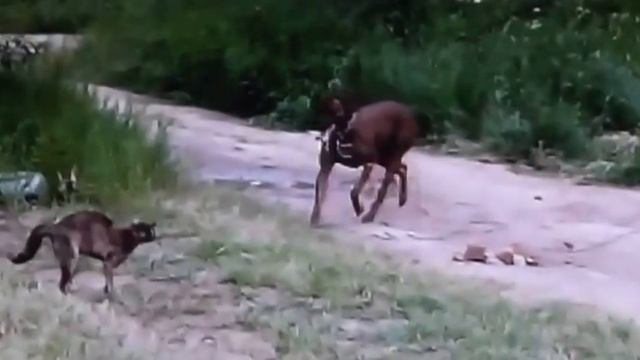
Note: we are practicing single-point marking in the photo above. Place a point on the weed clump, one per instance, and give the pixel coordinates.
(50, 126)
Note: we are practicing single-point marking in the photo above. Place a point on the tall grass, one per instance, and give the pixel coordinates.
(49, 126)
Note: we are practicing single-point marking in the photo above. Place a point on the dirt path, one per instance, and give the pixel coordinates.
(453, 202)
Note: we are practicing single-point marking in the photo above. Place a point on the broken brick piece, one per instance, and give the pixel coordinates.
(519, 260)
(475, 253)
(520, 249)
(458, 257)
(531, 261)
(523, 255)
(506, 257)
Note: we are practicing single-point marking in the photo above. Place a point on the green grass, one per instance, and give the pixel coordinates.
(38, 323)
(49, 126)
(309, 294)
(333, 304)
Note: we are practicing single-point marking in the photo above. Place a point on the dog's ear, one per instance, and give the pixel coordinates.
(336, 107)
(72, 175)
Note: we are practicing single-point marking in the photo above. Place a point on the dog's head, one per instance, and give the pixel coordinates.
(143, 231)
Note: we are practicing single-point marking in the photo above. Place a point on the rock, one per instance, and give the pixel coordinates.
(487, 160)
(538, 198)
(568, 245)
(208, 340)
(524, 256)
(384, 235)
(583, 181)
(616, 145)
(506, 257)
(519, 249)
(475, 253)
(519, 260)
(599, 170)
(417, 236)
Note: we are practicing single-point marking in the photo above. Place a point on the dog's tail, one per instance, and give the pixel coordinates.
(34, 242)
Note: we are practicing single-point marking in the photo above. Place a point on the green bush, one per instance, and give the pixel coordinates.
(567, 71)
(50, 16)
(235, 56)
(48, 126)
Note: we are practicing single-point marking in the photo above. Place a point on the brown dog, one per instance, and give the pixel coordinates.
(378, 133)
(90, 233)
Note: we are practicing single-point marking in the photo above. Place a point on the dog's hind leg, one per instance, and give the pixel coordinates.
(382, 193)
(357, 188)
(402, 174)
(67, 258)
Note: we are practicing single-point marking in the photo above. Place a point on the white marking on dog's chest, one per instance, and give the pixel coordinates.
(324, 138)
(340, 146)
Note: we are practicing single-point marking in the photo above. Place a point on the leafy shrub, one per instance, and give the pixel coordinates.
(569, 69)
(507, 133)
(49, 126)
(49, 16)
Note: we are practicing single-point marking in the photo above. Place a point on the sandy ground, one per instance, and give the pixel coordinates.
(452, 202)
